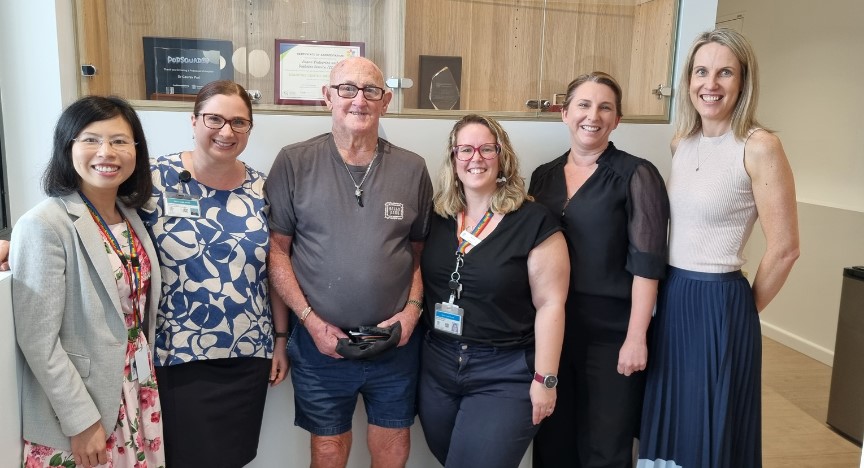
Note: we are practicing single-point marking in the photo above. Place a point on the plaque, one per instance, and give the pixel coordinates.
(182, 66)
(440, 82)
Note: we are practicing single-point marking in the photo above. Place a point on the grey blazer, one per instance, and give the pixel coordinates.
(68, 320)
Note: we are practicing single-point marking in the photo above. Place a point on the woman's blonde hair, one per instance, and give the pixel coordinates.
(510, 194)
(687, 120)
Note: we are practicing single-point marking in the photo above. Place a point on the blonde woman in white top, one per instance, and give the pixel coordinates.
(702, 402)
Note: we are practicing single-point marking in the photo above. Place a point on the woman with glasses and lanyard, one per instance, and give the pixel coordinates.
(495, 273)
(215, 334)
(85, 286)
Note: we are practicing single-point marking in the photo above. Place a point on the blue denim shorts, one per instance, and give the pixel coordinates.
(326, 389)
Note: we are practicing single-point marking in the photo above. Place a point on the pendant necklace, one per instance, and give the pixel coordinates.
(699, 159)
(358, 192)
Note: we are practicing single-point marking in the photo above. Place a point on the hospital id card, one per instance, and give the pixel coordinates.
(181, 205)
(448, 318)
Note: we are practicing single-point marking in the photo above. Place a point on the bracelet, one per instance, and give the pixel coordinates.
(417, 304)
(280, 335)
(305, 314)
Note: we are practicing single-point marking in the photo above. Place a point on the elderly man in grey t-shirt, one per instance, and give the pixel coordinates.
(349, 214)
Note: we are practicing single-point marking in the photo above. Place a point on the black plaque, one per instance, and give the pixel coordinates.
(182, 66)
(440, 82)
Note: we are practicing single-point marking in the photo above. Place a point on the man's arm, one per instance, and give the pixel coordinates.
(284, 281)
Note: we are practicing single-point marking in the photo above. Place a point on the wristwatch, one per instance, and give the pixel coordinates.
(548, 381)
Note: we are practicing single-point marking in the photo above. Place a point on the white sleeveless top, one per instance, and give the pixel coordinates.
(712, 208)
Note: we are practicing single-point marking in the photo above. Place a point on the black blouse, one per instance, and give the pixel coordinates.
(496, 295)
(616, 224)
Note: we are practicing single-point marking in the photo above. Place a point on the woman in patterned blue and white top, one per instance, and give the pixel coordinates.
(215, 330)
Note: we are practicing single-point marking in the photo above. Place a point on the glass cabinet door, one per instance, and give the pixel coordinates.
(509, 58)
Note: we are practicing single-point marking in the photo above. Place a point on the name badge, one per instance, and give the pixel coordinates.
(181, 205)
(470, 238)
(448, 318)
(142, 365)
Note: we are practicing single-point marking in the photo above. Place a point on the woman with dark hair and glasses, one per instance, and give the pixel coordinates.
(495, 275)
(217, 341)
(85, 286)
(614, 211)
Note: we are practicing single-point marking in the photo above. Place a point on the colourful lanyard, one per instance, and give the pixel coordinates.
(484, 221)
(132, 266)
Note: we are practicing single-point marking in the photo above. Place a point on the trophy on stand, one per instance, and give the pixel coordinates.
(443, 90)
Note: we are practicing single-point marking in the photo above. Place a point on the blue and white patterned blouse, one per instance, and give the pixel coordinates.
(214, 302)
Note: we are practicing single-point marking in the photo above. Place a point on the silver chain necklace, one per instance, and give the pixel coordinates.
(699, 159)
(358, 192)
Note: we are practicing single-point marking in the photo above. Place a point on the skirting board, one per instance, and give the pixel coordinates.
(808, 348)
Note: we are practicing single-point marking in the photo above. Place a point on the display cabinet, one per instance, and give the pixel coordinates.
(509, 58)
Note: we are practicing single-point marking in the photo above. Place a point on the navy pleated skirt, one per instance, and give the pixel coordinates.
(703, 402)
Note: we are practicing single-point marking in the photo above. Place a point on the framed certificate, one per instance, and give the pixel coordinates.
(176, 67)
(303, 67)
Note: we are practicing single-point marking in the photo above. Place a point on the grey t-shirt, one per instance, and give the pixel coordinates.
(353, 263)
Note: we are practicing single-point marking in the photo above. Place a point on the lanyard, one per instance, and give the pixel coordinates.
(132, 266)
(484, 221)
(454, 284)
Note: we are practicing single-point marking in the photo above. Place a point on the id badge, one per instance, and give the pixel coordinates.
(181, 205)
(470, 238)
(142, 365)
(448, 318)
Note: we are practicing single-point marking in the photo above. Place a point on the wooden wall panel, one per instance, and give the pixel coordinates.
(435, 28)
(500, 43)
(585, 37)
(651, 58)
(92, 18)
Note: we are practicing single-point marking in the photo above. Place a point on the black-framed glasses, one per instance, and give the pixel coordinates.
(216, 122)
(349, 91)
(486, 150)
(93, 143)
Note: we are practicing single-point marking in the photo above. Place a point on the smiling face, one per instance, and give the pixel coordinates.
(591, 116)
(356, 116)
(715, 84)
(103, 169)
(223, 143)
(476, 174)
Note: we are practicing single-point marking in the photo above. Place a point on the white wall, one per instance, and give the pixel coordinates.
(810, 64)
(535, 142)
(36, 35)
(37, 78)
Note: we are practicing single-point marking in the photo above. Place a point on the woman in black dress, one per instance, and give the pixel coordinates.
(614, 211)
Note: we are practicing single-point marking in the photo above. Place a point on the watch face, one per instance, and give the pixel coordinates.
(550, 381)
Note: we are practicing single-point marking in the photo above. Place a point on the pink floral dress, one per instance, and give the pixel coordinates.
(137, 438)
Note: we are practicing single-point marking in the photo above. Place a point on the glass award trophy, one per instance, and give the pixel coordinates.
(443, 90)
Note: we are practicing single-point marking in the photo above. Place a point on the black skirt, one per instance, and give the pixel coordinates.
(212, 411)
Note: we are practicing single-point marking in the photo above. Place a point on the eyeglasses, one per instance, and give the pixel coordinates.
(93, 143)
(216, 122)
(349, 91)
(486, 150)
